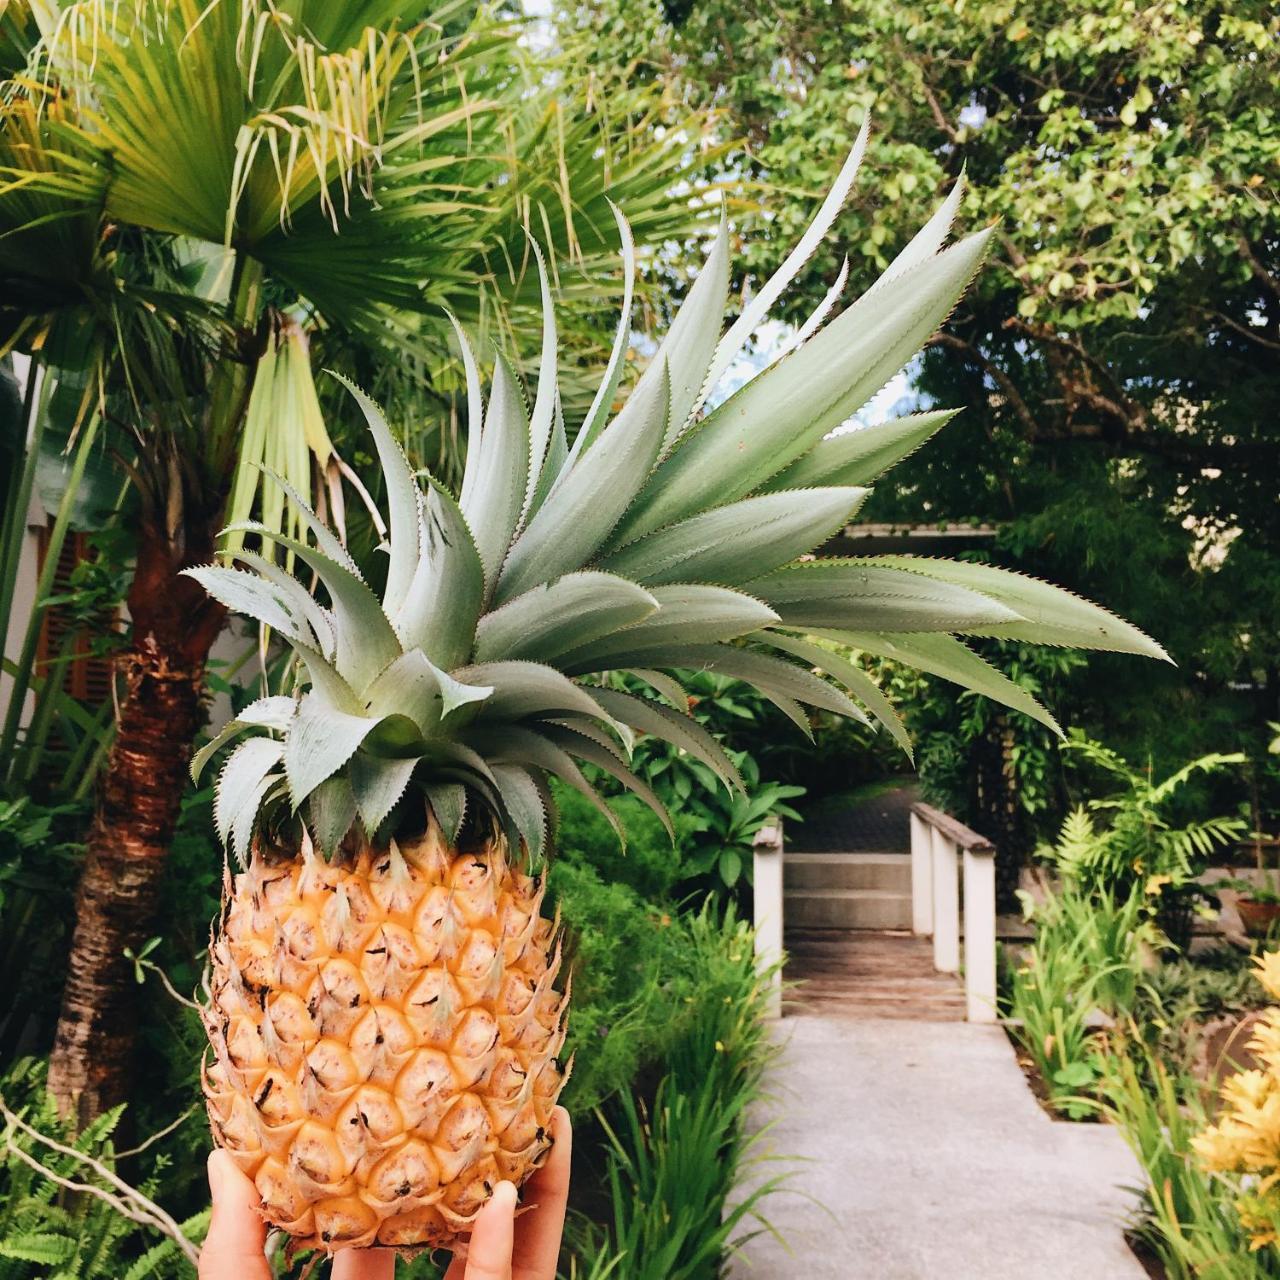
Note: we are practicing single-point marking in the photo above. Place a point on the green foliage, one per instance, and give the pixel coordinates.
(39, 857)
(1190, 1220)
(1092, 963)
(1182, 994)
(1161, 125)
(1118, 358)
(1083, 969)
(1096, 933)
(632, 987)
(648, 863)
(657, 995)
(672, 1162)
(49, 1234)
(1138, 839)
(58, 749)
(728, 822)
(721, 824)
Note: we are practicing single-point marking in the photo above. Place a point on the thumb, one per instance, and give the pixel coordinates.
(235, 1247)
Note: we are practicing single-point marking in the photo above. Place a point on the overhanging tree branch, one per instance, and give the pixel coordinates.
(997, 375)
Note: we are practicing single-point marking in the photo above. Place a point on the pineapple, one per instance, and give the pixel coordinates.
(385, 1021)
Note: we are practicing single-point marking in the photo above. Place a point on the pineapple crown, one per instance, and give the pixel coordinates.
(667, 538)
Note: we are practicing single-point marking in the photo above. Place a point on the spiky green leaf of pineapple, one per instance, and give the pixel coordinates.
(669, 537)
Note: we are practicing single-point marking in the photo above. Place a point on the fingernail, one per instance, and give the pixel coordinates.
(504, 1196)
(217, 1167)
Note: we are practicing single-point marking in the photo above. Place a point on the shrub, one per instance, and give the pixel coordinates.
(629, 978)
(648, 863)
(673, 1165)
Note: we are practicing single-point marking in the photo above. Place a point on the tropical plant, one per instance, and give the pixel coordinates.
(386, 813)
(1138, 841)
(1083, 969)
(191, 194)
(65, 1212)
(729, 821)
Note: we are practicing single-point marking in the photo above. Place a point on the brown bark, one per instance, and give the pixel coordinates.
(162, 677)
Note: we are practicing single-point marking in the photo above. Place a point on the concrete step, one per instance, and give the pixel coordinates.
(891, 871)
(847, 908)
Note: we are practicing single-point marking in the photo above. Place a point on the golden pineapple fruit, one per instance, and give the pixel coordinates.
(386, 1038)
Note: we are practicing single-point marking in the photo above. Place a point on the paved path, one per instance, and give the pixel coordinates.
(923, 1156)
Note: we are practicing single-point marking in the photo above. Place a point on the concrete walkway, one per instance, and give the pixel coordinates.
(924, 1156)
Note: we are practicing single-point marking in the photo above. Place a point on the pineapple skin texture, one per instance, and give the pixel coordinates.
(386, 1039)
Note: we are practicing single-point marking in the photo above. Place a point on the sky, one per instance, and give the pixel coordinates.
(895, 398)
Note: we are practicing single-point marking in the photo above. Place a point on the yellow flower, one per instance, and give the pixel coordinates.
(1215, 1150)
(1246, 1138)
(1268, 967)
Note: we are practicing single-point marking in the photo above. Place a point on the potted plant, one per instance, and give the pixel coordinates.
(1258, 900)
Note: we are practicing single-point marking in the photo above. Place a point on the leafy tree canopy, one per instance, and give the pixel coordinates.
(1119, 359)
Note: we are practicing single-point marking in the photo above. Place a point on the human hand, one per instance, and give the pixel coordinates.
(502, 1247)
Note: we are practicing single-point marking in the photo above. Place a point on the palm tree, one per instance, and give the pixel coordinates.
(190, 190)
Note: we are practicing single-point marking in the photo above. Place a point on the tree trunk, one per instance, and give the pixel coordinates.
(162, 675)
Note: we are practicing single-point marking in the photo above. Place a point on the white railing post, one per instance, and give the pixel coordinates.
(937, 842)
(980, 934)
(767, 886)
(921, 876)
(946, 904)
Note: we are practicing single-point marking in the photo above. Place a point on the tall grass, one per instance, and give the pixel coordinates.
(1083, 969)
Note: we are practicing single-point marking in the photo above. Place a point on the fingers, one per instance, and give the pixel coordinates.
(489, 1254)
(234, 1247)
(502, 1249)
(547, 1192)
(364, 1264)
